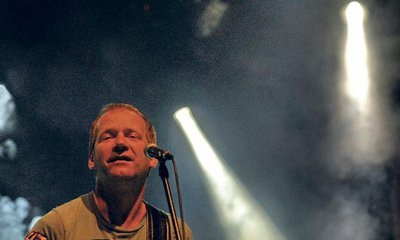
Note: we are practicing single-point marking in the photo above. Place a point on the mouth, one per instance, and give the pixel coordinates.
(119, 158)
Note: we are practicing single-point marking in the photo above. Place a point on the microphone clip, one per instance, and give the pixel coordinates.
(152, 151)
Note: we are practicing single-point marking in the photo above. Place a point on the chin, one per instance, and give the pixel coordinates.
(124, 175)
(120, 174)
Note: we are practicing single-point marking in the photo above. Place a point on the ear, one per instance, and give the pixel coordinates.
(91, 162)
(153, 162)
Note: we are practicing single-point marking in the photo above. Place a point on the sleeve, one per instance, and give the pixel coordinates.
(49, 227)
(188, 232)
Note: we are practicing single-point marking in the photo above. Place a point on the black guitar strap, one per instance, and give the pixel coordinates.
(157, 223)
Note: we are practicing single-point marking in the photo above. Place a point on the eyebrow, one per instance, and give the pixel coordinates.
(113, 131)
(109, 130)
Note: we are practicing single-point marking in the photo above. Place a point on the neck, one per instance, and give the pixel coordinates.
(120, 201)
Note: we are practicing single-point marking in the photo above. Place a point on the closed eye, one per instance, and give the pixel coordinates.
(133, 136)
(105, 136)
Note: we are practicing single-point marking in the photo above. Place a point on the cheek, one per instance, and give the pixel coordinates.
(101, 149)
(99, 155)
(138, 147)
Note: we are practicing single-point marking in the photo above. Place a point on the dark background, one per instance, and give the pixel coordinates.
(263, 85)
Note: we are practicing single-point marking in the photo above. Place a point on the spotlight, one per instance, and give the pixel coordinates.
(356, 55)
(240, 215)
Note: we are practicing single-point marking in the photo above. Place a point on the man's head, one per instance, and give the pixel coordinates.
(118, 137)
(151, 132)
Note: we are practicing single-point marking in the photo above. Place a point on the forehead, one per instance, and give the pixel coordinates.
(121, 118)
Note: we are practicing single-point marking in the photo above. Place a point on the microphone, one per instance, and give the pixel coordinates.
(152, 151)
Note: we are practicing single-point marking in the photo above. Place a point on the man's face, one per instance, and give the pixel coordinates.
(119, 145)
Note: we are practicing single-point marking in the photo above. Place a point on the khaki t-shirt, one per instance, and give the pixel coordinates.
(80, 219)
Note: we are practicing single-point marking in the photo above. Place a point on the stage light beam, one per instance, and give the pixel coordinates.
(240, 215)
(356, 55)
(210, 19)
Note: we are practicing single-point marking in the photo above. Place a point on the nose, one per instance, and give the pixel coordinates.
(120, 148)
(120, 145)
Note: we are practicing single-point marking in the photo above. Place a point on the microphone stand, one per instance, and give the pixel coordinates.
(163, 173)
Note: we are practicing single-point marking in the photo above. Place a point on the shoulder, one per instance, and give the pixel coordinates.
(72, 207)
(53, 224)
(49, 226)
(188, 231)
(160, 217)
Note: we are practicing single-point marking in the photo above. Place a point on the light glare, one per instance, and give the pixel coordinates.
(211, 17)
(241, 216)
(7, 111)
(356, 55)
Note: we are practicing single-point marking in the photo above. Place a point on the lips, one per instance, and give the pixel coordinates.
(119, 158)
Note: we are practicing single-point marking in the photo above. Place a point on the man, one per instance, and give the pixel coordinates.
(116, 209)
